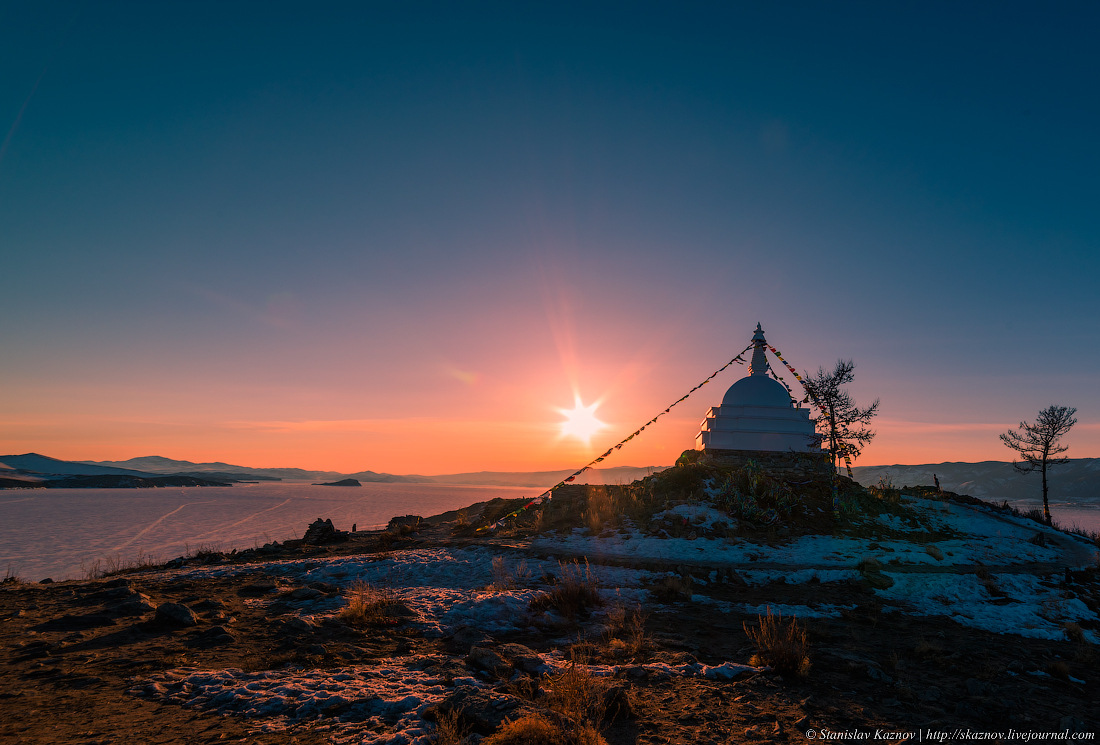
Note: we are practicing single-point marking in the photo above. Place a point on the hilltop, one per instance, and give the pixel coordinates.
(636, 613)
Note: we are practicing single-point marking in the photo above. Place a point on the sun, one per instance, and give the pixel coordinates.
(581, 421)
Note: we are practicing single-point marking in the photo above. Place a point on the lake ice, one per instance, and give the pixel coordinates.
(55, 532)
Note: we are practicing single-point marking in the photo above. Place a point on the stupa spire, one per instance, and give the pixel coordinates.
(759, 363)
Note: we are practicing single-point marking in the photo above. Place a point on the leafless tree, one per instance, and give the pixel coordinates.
(1039, 444)
(842, 422)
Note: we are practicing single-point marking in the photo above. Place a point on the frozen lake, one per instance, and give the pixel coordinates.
(54, 532)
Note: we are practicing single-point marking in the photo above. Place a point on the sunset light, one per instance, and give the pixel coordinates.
(580, 421)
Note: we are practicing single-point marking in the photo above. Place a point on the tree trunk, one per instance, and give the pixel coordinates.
(1046, 504)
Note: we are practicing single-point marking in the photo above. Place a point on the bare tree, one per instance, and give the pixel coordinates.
(842, 422)
(1039, 444)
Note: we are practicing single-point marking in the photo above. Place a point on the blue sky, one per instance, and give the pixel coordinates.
(437, 219)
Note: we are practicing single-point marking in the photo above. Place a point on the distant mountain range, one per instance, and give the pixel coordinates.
(33, 467)
(1077, 481)
(161, 465)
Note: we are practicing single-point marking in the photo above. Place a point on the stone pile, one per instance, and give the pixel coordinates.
(321, 532)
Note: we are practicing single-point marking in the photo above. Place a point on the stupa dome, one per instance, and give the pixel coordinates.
(756, 390)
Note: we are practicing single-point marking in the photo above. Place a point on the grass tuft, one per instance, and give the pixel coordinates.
(784, 646)
(451, 730)
(576, 590)
(368, 605)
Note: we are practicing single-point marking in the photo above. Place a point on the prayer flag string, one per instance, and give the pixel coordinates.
(548, 494)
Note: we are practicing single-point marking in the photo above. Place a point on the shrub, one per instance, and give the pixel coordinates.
(626, 634)
(1074, 632)
(575, 591)
(367, 605)
(1058, 669)
(784, 646)
(577, 694)
(531, 729)
(450, 730)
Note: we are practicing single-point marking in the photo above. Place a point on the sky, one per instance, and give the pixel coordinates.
(404, 236)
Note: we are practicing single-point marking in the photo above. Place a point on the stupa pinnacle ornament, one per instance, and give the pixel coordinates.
(757, 414)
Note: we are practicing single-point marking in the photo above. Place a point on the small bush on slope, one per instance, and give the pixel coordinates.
(784, 646)
(576, 590)
(367, 605)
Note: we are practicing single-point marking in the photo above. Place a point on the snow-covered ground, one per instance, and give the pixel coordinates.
(982, 537)
(448, 588)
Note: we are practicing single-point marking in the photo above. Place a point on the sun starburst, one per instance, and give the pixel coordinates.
(580, 421)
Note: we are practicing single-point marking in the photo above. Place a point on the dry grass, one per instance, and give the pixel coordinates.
(784, 646)
(673, 589)
(576, 590)
(1074, 632)
(1058, 669)
(367, 605)
(112, 565)
(575, 693)
(537, 729)
(506, 578)
(11, 578)
(451, 730)
(626, 635)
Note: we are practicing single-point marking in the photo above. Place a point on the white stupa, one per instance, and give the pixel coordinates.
(757, 413)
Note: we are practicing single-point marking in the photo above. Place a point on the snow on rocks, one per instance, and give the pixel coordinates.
(1032, 606)
(390, 696)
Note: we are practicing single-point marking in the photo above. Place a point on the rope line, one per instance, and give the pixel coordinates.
(548, 494)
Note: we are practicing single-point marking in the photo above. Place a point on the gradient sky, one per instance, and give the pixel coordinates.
(400, 236)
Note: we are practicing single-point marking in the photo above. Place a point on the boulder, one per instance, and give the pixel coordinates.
(487, 660)
(482, 711)
(523, 658)
(176, 614)
(466, 637)
(323, 531)
(136, 604)
(306, 593)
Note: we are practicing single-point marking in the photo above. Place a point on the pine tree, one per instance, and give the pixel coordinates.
(1039, 444)
(841, 420)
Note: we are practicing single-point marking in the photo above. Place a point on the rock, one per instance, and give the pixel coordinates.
(322, 531)
(976, 687)
(1071, 724)
(298, 625)
(466, 637)
(317, 650)
(635, 672)
(616, 703)
(930, 694)
(326, 587)
(487, 660)
(259, 587)
(306, 593)
(136, 605)
(523, 658)
(46, 581)
(210, 604)
(218, 635)
(875, 674)
(480, 710)
(803, 723)
(176, 614)
(963, 709)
